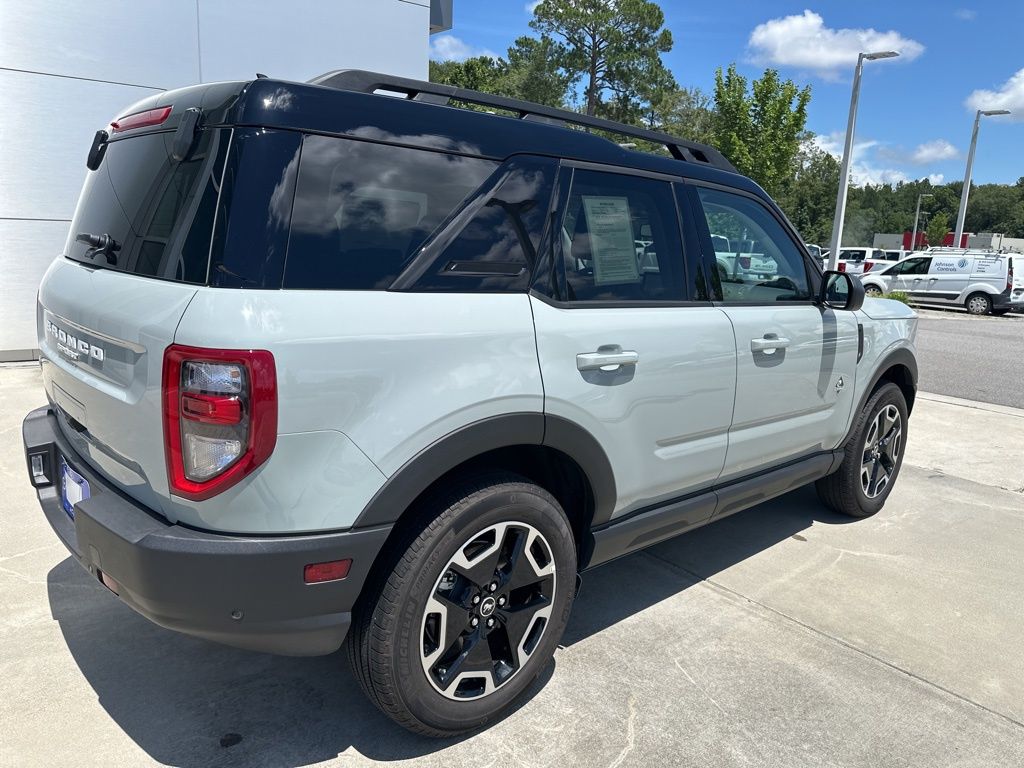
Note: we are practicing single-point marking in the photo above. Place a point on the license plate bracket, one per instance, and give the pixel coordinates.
(73, 488)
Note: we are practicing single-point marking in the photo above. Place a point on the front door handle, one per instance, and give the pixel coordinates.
(608, 357)
(770, 341)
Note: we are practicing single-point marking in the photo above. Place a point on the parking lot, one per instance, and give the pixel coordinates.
(784, 635)
(978, 358)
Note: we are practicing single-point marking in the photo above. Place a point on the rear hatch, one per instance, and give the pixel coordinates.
(137, 249)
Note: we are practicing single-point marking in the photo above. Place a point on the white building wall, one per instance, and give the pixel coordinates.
(68, 67)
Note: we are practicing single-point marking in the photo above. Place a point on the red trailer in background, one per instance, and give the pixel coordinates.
(950, 236)
(920, 245)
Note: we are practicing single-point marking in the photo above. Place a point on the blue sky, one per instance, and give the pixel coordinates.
(916, 112)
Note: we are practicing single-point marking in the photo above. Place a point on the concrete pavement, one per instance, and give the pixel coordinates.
(784, 635)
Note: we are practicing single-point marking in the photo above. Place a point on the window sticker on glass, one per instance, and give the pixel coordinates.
(611, 240)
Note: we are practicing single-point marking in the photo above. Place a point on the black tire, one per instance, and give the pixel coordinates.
(391, 626)
(978, 304)
(844, 490)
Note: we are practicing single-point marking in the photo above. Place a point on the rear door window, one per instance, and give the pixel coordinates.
(158, 212)
(619, 240)
(363, 209)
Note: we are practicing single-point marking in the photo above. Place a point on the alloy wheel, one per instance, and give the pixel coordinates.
(488, 611)
(881, 453)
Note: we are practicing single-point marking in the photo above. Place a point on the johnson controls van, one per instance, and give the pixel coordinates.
(983, 282)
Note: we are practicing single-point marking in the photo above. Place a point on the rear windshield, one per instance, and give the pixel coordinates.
(154, 215)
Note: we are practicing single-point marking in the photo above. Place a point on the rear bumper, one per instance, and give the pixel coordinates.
(244, 591)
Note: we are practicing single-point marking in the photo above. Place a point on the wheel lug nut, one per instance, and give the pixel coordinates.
(493, 587)
(476, 599)
(490, 622)
(502, 600)
(474, 621)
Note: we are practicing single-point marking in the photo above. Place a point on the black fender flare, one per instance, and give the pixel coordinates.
(899, 356)
(418, 473)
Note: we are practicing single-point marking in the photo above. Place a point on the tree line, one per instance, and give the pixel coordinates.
(603, 58)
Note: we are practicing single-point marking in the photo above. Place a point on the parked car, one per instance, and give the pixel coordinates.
(983, 282)
(857, 261)
(327, 365)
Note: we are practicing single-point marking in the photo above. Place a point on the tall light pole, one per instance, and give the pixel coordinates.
(844, 173)
(917, 215)
(967, 176)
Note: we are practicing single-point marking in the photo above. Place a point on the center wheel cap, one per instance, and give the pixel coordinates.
(487, 606)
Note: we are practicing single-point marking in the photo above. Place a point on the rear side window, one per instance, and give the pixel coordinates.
(158, 212)
(492, 244)
(362, 210)
(619, 239)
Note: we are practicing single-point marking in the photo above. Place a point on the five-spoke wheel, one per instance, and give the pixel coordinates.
(488, 611)
(471, 609)
(881, 451)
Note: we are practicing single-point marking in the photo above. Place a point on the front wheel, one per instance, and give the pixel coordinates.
(872, 290)
(472, 612)
(978, 304)
(873, 456)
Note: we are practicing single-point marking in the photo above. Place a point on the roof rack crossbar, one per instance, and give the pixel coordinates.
(362, 81)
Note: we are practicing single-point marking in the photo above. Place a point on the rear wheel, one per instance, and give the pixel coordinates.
(873, 456)
(978, 304)
(872, 290)
(473, 610)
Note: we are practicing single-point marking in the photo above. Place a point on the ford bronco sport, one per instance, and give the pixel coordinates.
(328, 365)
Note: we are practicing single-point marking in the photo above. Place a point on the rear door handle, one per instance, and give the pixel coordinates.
(607, 356)
(769, 342)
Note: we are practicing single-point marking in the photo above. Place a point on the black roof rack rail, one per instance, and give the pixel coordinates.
(436, 93)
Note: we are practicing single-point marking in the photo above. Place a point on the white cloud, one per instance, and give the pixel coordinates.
(936, 178)
(532, 6)
(933, 152)
(452, 48)
(1010, 95)
(965, 14)
(868, 165)
(804, 41)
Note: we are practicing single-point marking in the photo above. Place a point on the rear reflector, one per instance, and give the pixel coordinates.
(211, 409)
(316, 573)
(145, 119)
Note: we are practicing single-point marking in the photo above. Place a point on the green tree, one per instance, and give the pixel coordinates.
(481, 73)
(937, 228)
(613, 46)
(810, 200)
(759, 129)
(532, 72)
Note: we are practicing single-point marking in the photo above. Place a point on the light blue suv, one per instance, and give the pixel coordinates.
(328, 365)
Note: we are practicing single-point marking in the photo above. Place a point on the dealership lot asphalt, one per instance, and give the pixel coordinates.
(980, 358)
(784, 635)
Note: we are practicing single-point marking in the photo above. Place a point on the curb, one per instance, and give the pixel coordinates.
(1004, 410)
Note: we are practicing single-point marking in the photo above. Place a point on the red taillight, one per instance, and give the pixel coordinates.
(1009, 275)
(841, 266)
(868, 265)
(145, 119)
(745, 262)
(220, 417)
(317, 573)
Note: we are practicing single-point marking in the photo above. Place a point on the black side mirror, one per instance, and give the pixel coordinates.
(840, 290)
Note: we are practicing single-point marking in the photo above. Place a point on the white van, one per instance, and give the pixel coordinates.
(983, 282)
